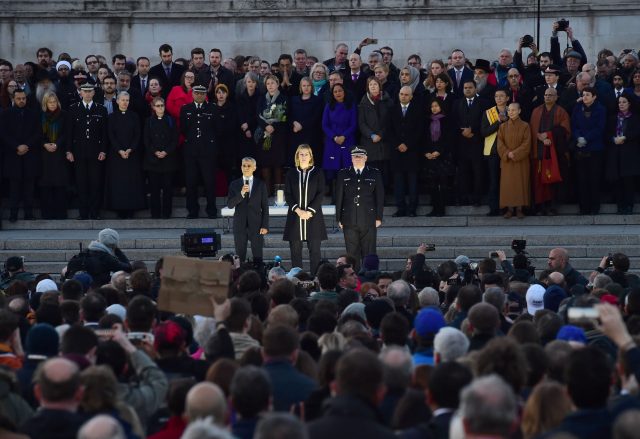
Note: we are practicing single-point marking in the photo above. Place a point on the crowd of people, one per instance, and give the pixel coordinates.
(468, 349)
(520, 134)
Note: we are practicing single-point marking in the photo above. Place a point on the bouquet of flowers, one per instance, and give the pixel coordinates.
(272, 114)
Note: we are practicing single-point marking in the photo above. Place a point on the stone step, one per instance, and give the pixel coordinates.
(493, 236)
(180, 211)
(277, 222)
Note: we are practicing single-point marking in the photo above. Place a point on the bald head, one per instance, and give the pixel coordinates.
(206, 399)
(556, 278)
(558, 259)
(101, 427)
(405, 95)
(58, 385)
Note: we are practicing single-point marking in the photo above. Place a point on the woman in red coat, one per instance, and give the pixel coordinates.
(178, 96)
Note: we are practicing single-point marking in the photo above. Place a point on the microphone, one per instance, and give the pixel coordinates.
(246, 182)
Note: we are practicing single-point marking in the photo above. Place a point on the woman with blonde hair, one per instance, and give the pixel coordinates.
(303, 192)
(545, 409)
(55, 168)
(319, 74)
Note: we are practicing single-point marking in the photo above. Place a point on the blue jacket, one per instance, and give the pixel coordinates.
(592, 128)
(289, 386)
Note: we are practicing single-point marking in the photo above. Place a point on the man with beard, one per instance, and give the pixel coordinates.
(167, 72)
(216, 74)
(43, 85)
(108, 98)
(64, 84)
(22, 139)
(137, 103)
(482, 70)
(20, 76)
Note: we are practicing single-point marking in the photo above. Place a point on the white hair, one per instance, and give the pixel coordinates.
(205, 429)
(428, 297)
(450, 344)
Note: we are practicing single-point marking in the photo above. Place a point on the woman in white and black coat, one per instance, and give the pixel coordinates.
(160, 161)
(303, 192)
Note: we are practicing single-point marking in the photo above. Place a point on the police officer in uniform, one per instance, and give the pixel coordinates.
(197, 123)
(87, 150)
(359, 205)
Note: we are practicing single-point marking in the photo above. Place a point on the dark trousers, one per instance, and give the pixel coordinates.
(314, 254)
(406, 182)
(438, 191)
(493, 166)
(198, 166)
(242, 237)
(21, 189)
(589, 177)
(53, 202)
(360, 242)
(90, 181)
(470, 179)
(160, 194)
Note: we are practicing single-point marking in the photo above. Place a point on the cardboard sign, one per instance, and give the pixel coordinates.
(188, 284)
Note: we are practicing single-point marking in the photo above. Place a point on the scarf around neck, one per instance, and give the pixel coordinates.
(435, 127)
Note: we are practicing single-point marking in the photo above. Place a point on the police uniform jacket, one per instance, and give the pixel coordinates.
(304, 191)
(21, 126)
(198, 128)
(88, 135)
(359, 200)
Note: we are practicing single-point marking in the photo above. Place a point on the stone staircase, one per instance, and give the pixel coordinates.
(48, 244)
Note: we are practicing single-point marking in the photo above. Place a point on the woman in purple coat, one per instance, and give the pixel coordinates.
(339, 123)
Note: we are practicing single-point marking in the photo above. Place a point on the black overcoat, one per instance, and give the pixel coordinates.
(306, 197)
(125, 184)
(21, 126)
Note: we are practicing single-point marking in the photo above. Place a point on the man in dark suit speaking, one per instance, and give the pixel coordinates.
(248, 195)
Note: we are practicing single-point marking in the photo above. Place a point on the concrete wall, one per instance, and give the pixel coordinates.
(270, 27)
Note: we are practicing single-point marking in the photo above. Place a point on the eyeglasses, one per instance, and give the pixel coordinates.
(159, 105)
(514, 76)
(189, 77)
(404, 74)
